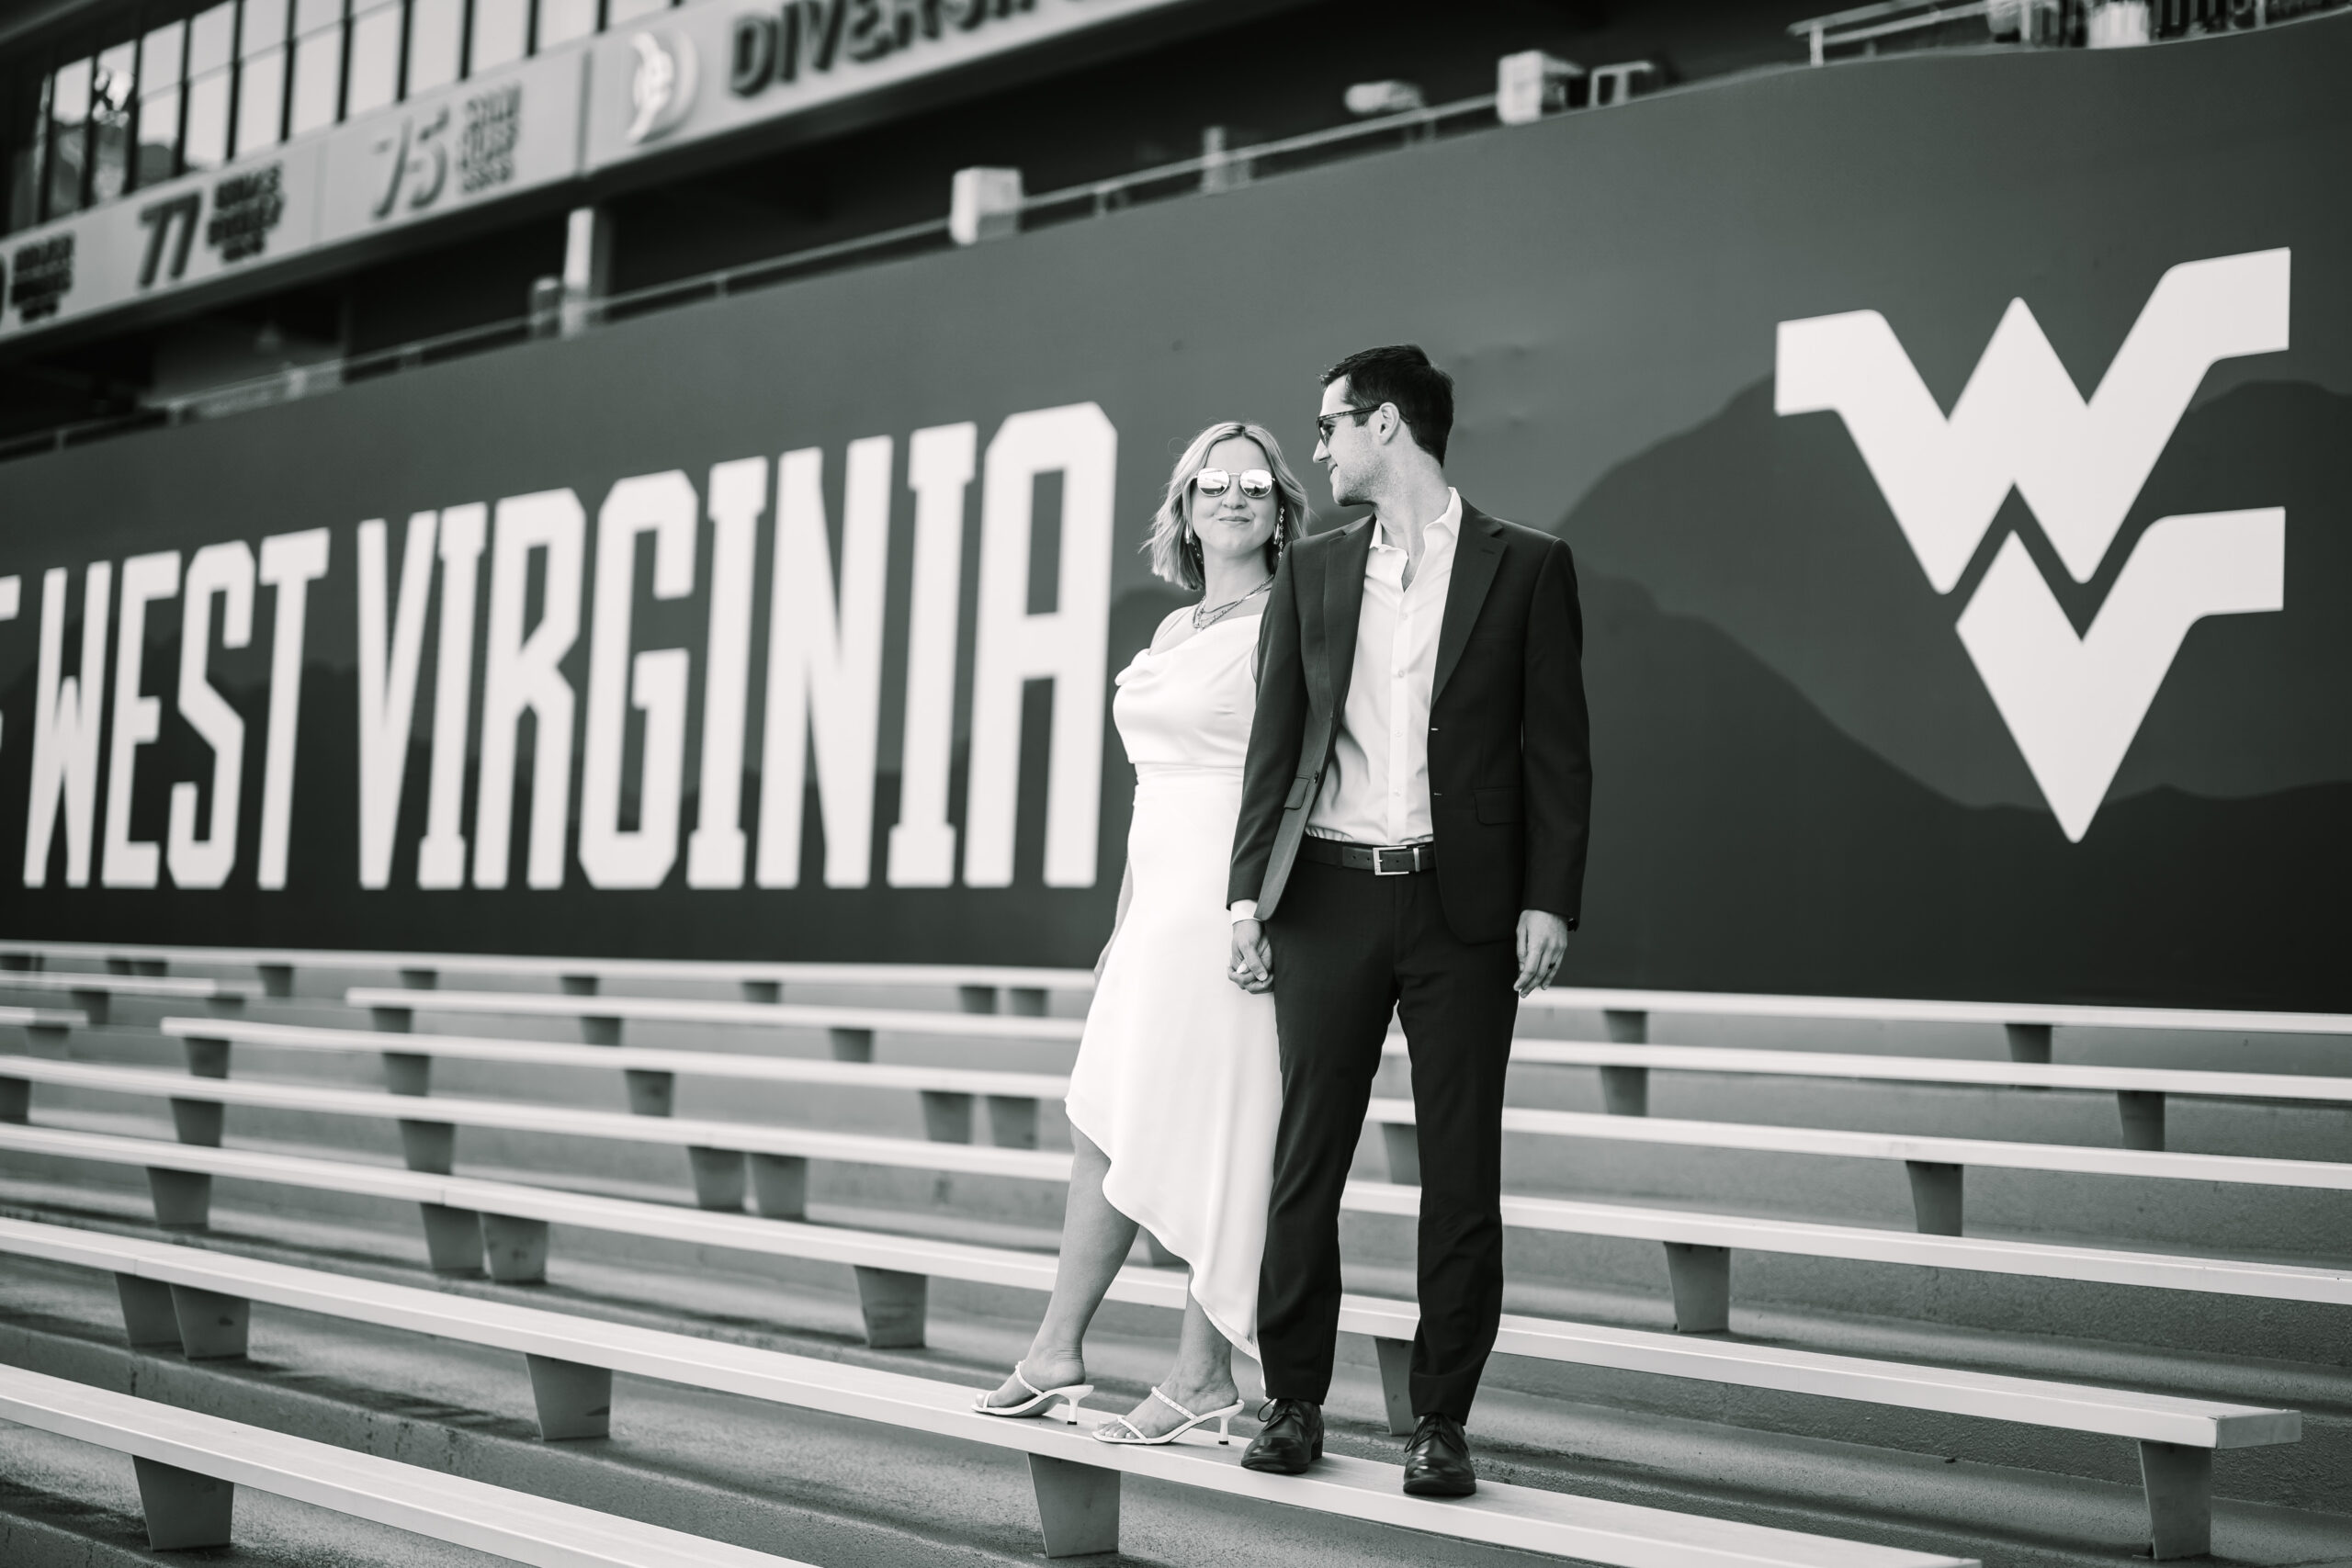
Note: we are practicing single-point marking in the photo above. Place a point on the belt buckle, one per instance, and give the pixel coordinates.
(1404, 870)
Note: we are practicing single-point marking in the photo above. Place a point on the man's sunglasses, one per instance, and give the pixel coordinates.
(1330, 421)
(1256, 483)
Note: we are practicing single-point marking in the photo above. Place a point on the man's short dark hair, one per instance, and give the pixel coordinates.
(1401, 374)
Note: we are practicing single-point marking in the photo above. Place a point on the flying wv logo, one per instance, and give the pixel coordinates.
(2071, 703)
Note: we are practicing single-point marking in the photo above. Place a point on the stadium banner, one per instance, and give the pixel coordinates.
(1957, 452)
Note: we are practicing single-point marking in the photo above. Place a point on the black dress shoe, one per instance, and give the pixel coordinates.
(1291, 1441)
(1437, 1462)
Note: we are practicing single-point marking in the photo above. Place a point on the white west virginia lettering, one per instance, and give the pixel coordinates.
(2073, 703)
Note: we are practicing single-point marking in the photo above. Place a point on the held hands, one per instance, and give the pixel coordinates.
(1252, 965)
(1543, 943)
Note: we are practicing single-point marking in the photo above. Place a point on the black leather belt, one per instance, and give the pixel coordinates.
(1400, 860)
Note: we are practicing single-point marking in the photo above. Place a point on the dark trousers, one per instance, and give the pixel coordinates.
(1348, 946)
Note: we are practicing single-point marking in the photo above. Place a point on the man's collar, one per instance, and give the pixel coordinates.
(1448, 522)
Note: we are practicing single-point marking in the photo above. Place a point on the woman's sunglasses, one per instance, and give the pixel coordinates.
(1256, 483)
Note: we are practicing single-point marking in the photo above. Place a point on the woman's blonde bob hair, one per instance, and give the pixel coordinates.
(1175, 552)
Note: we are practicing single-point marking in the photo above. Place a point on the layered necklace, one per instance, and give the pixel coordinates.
(1204, 618)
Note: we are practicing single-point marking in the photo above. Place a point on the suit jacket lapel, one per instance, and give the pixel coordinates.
(1476, 556)
(1342, 612)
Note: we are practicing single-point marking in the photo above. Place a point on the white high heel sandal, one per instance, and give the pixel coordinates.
(1041, 1401)
(1132, 1436)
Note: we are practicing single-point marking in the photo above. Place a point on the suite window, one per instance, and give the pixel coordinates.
(161, 55)
(261, 79)
(69, 120)
(560, 21)
(318, 65)
(375, 56)
(114, 89)
(211, 39)
(26, 129)
(437, 32)
(502, 33)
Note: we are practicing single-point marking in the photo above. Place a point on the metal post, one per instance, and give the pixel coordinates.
(1396, 1384)
(2180, 1499)
(1700, 1279)
(1626, 1026)
(651, 1092)
(1078, 1506)
(212, 1326)
(895, 1305)
(947, 1117)
(587, 268)
(780, 1186)
(2028, 1042)
(1401, 1141)
(2143, 1114)
(429, 1147)
(198, 1121)
(452, 1239)
(1625, 1091)
(408, 1072)
(1012, 1122)
(184, 1509)
(1935, 1196)
(720, 1182)
(515, 1251)
(147, 1315)
(182, 1198)
(574, 1401)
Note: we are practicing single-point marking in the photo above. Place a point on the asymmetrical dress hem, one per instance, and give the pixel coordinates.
(1177, 1079)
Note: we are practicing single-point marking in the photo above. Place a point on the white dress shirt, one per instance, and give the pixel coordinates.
(1376, 790)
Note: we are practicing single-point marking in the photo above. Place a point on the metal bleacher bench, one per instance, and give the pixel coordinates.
(501, 1226)
(93, 993)
(602, 1017)
(2140, 1092)
(2029, 1025)
(651, 1073)
(979, 985)
(1012, 1116)
(202, 1302)
(53, 1023)
(716, 1151)
(1697, 1248)
(1934, 1165)
(189, 1465)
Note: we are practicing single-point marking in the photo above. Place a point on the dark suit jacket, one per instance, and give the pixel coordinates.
(1510, 771)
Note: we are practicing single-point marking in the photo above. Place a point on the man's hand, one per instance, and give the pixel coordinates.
(1543, 943)
(1252, 965)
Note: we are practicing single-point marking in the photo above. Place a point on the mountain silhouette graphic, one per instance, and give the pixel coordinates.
(1802, 785)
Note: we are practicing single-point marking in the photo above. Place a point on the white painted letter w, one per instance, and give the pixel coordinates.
(2071, 703)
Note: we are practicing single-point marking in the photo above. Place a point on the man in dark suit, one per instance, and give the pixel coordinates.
(1412, 836)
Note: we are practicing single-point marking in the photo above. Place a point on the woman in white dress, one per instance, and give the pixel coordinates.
(1177, 1091)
